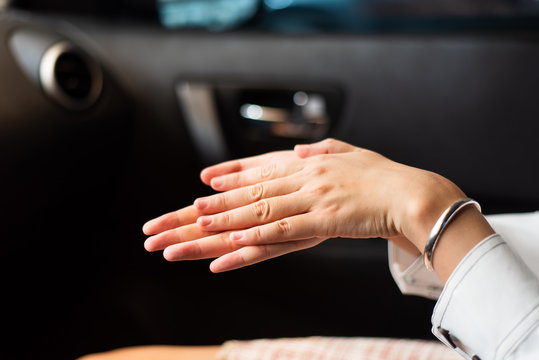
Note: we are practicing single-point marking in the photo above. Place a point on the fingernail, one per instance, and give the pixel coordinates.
(217, 182)
(147, 227)
(204, 220)
(147, 245)
(201, 204)
(301, 150)
(237, 236)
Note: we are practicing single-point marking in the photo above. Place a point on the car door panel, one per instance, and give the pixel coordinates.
(79, 184)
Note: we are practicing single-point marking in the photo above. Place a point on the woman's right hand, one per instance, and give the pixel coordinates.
(301, 202)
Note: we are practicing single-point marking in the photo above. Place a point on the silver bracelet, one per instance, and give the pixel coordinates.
(440, 225)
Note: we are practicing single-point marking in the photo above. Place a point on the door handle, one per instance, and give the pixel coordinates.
(308, 118)
(227, 119)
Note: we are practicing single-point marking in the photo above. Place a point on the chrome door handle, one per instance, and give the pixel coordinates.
(264, 113)
(308, 118)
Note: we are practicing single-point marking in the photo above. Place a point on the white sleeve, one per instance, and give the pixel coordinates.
(411, 275)
(520, 231)
(489, 307)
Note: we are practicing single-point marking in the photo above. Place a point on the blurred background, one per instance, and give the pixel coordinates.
(110, 109)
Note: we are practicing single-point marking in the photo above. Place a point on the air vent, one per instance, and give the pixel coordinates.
(70, 77)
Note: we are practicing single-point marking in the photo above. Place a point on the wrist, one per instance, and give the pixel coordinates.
(424, 207)
(443, 221)
(467, 229)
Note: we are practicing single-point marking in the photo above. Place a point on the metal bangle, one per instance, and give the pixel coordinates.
(440, 225)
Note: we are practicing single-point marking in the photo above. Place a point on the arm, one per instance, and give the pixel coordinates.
(271, 207)
(519, 230)
(490, 304)
(333, 189)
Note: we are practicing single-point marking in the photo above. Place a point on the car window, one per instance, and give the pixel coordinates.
(308, 16)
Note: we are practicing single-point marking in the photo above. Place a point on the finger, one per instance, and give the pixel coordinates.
(268, 171)
(246, 195)
(239, 165)
(327, 146)
(261, 212)
(185, 216)
(208, 247)
(297, 227)
(254, 254)
(174, 236)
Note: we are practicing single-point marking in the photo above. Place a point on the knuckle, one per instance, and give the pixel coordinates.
(266, 251)
(283, 226)
(191, 250)
(320, 189)
(256, 192)
(331, 209)
(258, 233)
(317, 170)
(330, 141)
(226, 219)
(267, 171)
(241, 260)
(324, 157)
(221, 201)
(262, 210)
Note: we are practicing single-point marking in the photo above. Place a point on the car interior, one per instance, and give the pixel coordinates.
(109, 110)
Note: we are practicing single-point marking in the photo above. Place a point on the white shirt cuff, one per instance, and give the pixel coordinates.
(491, 320)
(411, 275)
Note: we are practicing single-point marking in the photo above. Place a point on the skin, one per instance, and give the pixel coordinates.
(157, 353)
(281, 202)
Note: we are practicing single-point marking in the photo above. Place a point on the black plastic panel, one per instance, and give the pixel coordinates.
(461, 105)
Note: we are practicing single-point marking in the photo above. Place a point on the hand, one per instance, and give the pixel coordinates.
(179, 227)
(297, 203)
(231, 175)
(220, 177)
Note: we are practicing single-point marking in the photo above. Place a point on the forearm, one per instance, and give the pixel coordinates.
(489, 306)
(467, 229)
(277, 203)
(478, 309)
